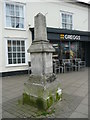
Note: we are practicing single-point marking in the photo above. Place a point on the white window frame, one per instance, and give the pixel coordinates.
(68, 13)
(14, 3)
(21, 64)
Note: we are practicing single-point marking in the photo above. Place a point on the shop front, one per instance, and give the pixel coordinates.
(71, 47)
(68, 44)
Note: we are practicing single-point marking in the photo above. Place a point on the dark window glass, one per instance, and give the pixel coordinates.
(14, 43)
(14, 48)
(23, 48)
(19, 60)
(14, 55)
(9, 61)
(18, 43)
(18, 48)
(9, 55)
(18, 55)
(9, 43)
(14, 61)
(22, 43)
(23, 54)
(23, 60)
(9, 49)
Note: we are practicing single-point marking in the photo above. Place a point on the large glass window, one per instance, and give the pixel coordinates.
(14, 15)
(16, 51)
(67, 20)
(69, 50)
(65, 50)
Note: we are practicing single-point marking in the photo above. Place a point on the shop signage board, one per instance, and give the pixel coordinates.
(69, 37)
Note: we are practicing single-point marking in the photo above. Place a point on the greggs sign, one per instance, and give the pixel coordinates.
(70, 37)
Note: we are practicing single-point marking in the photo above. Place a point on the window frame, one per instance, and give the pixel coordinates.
(19, 64)
(14, 3)
(67, 13)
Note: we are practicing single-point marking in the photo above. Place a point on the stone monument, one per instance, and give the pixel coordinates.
(42, 87)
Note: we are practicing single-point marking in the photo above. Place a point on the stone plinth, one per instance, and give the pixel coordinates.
(45, 88)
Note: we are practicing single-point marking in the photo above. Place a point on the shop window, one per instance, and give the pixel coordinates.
(16, 51)
(73, 49)
(14, 15)
(65, 50)
(69, 50)
(66, 20)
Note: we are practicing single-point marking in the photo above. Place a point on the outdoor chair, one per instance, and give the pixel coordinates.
(80, 63)
(57, 68)
(67, 65)
(74, 66)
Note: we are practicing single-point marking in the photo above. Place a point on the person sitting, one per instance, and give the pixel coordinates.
(71, 54)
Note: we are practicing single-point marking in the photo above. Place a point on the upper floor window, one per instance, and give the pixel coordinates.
(67, 20)
(14, 15)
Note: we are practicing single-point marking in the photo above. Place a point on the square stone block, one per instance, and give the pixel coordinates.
(38, 90)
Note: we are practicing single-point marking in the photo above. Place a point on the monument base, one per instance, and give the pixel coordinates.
(42, 91)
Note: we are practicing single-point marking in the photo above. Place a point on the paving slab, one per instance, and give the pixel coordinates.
(7, 115)
(82, 109)
(85, 101)
(78, 115)
(81, 92)
(63, 108)
(70, 89)
(73, 104)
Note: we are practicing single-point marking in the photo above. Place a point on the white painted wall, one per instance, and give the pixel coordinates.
(1, 37)
(80, 14)
(53, 18)
(14, 33)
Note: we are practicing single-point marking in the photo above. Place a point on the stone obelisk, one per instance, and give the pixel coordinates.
(42, 84)
(40, 49)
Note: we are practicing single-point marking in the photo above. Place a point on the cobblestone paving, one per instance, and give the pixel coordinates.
(63, 109)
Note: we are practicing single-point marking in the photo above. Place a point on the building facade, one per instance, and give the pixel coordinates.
(67, 28)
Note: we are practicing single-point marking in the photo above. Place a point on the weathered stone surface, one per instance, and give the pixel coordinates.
(40, 43)
(41, 63)
(41, 86)
(41, 46)
(40, 49)
(46, 88)
(48, 78)
(40, 27)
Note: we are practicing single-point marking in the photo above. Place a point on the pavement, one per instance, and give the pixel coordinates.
(74, 102)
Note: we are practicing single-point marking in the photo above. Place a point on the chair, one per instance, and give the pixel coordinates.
(80, 63)
(74, 66)
(67, 65)
(57, 68)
